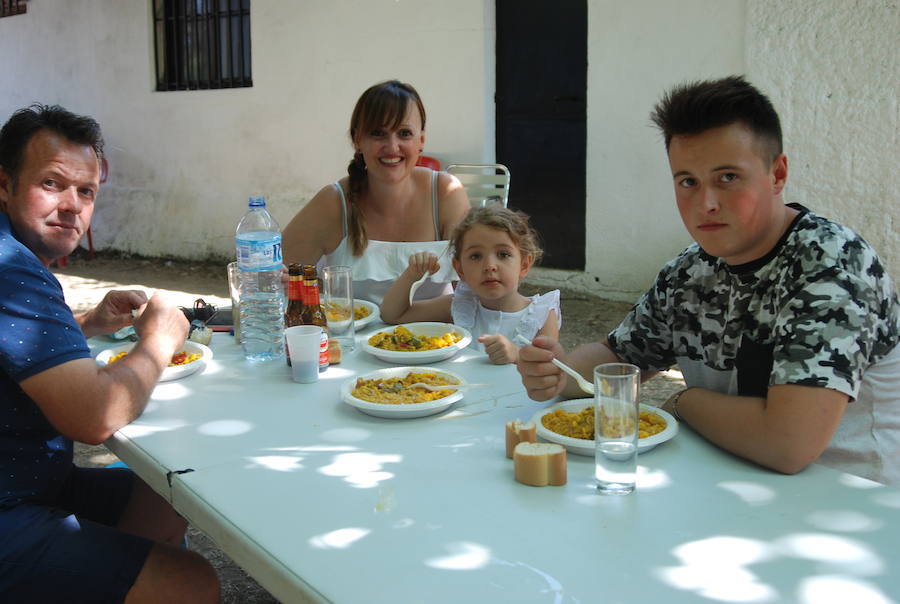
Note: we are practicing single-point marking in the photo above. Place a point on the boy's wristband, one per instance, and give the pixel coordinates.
(674, 405)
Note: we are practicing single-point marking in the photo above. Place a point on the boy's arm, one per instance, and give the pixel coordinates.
(786, 431)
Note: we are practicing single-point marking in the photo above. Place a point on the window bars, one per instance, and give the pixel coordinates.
(8, 8)
(202, 44)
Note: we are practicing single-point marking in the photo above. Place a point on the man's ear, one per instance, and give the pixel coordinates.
(457, 266)
(5, 188)
(779, 173)
(527, 263)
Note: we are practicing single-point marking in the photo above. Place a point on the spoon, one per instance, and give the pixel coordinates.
(582, 383)
(436, 387)
(415, 286)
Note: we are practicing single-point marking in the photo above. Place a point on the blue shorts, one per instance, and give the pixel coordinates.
(70, 550)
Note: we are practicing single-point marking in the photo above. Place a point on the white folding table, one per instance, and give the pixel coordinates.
(320, 502)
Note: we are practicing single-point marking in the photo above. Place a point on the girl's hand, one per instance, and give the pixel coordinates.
(499, 349)
(421, 263)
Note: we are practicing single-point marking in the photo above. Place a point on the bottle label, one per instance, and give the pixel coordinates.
(324, 357)
(295, 290)
(257, 252)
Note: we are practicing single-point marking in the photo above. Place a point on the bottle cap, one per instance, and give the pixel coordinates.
(257, 202)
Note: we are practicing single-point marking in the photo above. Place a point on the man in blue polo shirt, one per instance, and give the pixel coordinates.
(69, 533)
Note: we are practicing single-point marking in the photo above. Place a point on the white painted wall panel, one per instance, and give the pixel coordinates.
(183, 163)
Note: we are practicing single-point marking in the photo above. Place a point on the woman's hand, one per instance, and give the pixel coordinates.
(499, 349)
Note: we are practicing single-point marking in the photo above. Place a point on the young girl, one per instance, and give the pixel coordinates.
(493, 248)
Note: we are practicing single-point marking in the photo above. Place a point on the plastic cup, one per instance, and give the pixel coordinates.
(338, 285)
(234, 287)
(616, 415)
(303, 342)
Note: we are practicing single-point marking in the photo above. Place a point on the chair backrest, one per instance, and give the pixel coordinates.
(429, 162)
(484, 183)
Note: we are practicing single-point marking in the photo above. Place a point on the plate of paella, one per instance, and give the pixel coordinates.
(417, 343)
(189, 358)
(391, 393)
(571, 424)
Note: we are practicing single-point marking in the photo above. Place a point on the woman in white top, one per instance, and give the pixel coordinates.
(387, 208)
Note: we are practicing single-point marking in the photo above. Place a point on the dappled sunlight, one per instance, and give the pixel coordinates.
(170, 391)
(279, 463)
(225, 427)
(462, 556)
(837, 588)
(715, 568)
(346, 435)
(314, 449)
(361, 470)
(718, 567)
(137, 430)
(858, 482)
(650, 480)
(336, 372)
(844, 520)
(212, 367)
(834, 553)
(888, 499)
(339, 539)
(457, 445)
(749, 492)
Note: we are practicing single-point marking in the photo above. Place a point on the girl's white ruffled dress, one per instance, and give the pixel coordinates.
(468, 312)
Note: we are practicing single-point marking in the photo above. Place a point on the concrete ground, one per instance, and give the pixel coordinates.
(585, 318)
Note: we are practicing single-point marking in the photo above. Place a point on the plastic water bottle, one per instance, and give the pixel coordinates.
(258, 242)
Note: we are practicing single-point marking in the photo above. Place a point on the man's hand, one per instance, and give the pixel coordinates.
(112, 313)
(162, 323)
(542, 379)
(499, 349)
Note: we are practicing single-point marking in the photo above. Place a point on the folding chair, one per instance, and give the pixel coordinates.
(484, 183)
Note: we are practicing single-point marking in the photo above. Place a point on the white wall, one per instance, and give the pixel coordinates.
(183, 163)
(833, 71)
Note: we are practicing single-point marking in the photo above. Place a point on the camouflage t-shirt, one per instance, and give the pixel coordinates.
(818, 310)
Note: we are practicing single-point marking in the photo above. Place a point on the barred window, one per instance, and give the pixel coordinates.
(8, 8)
(202, 44)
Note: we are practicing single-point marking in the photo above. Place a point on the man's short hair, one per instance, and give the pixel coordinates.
(696, 107)
(27, 122)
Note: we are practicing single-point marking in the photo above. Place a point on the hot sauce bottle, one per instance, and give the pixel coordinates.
(313, 313)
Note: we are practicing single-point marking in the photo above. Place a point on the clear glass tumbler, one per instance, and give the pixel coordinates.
(338, 294)
(234, 288)
(616, 416)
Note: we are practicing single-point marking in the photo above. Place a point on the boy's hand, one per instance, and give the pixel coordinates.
(542, 379)
(421, 263)
(499, 349)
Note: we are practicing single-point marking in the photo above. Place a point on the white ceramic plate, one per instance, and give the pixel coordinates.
(580, 446)
(400, 411)
(169, 373)
(373, 315)
(423, 356)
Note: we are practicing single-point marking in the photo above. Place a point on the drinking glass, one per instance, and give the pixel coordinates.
(338, 284)
(616, 416)
(234, 287)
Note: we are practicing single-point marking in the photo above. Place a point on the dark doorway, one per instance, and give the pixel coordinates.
(541, 115)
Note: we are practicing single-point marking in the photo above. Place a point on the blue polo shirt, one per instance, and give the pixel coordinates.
(37, 332)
